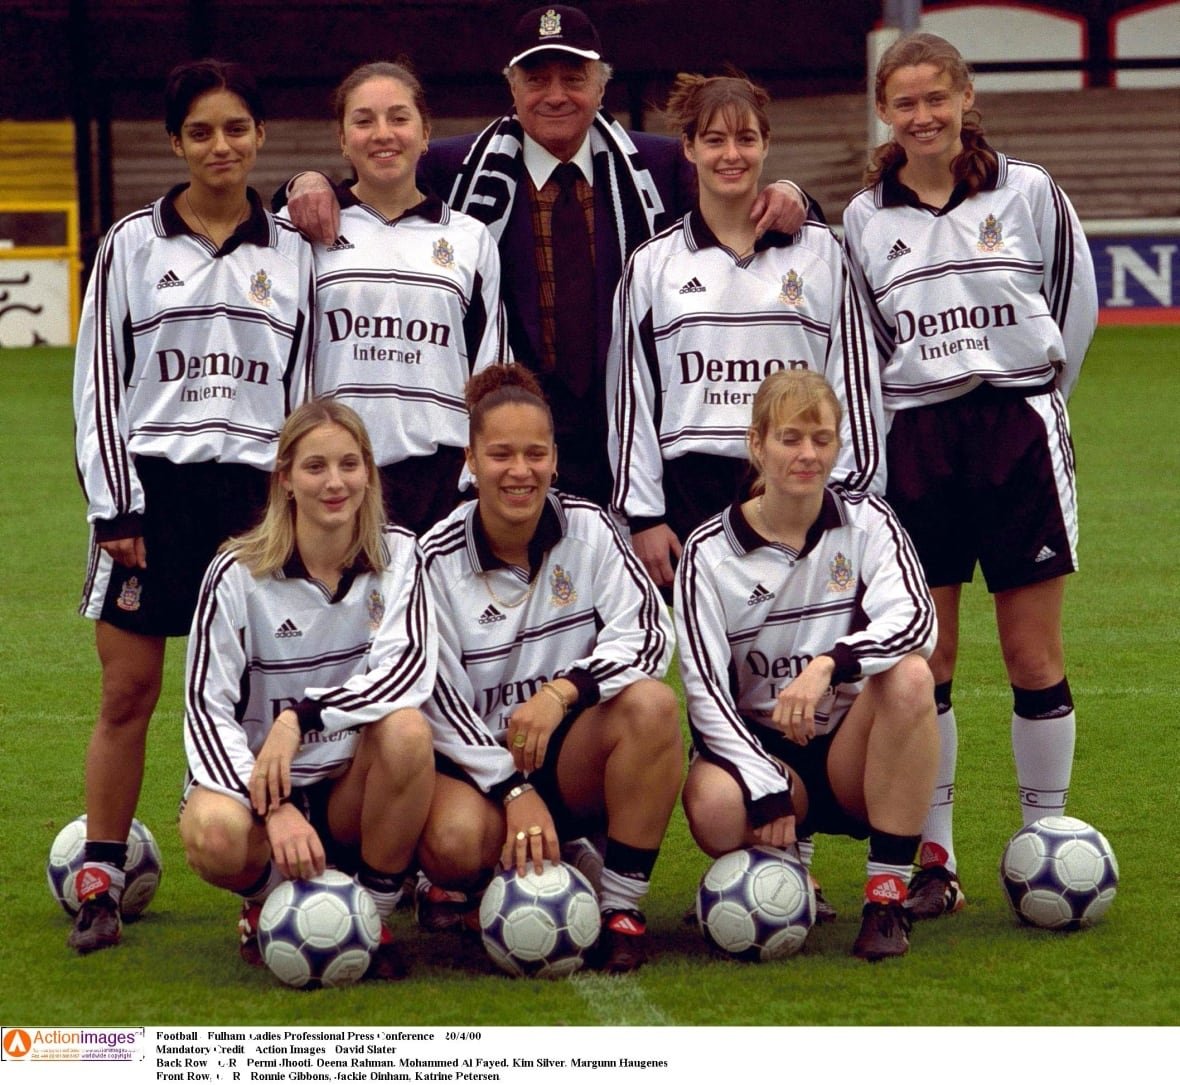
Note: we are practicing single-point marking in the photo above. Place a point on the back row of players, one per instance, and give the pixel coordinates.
(523, 640)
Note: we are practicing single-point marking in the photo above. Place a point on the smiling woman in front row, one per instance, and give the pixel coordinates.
(551, 721)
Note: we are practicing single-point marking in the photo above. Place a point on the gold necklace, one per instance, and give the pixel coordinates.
(771, 534)
(774, 536)
(527, 594)
(204, 225)
(762, 517)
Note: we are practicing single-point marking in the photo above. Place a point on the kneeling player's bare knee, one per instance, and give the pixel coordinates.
(214, 847)
(451, 851)
(715, 825)
(402, 738)
(909, 688)
(716, 817)
(653, 718)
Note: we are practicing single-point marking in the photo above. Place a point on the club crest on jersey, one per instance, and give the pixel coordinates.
(550, 24)
(840, 574)
(562, 588)
(792, 291)
(128, 599)
(443, 254)
(260, 285)
(991, 235)
(376, 606)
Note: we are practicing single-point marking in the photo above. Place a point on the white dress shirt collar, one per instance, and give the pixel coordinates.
(541, 164)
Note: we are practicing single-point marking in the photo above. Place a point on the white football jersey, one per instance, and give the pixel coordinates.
(997, 287)
(262, 644)
(751, 614)
(588, 612)
(406, 311)
(187, 352)
(697, 329)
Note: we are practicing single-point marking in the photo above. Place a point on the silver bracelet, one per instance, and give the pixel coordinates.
(517, 791)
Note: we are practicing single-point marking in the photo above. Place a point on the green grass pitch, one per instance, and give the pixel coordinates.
(179, 965)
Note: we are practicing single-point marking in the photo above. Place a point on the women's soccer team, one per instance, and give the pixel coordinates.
(413, 657)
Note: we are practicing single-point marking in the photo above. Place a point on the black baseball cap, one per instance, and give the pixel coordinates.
(555, 27)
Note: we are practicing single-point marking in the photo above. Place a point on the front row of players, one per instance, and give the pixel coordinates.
(325, 617)
(495, 692)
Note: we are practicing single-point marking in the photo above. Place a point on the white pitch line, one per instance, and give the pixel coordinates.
(617, 1000)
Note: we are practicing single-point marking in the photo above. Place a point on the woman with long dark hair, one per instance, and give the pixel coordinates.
(194, 345)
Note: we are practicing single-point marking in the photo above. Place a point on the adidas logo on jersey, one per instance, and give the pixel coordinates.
(693, 286)
(169, 278)
(759, 595)
(1044, 554)
(899, 248)
(490, 616)
(340, 244)
(288, 629)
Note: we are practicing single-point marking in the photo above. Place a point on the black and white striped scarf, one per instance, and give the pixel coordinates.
(486, 184)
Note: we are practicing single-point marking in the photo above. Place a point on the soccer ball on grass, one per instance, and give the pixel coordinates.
(143, 867)
(1059, 873)
(319, 932)
(539, 924)
(756, 904)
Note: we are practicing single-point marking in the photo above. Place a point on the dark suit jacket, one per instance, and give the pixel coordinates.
(675, 179)
(581, 426)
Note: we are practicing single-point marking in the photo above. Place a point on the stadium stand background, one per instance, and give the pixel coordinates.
(1112, 141)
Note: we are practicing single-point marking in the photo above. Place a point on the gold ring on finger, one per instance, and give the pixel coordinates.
(534, 830)
(519, 741)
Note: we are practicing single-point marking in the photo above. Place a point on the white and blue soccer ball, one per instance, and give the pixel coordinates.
(1059, 873)
(540, 924)
(143, 867)
(319, 932)
(756, 904)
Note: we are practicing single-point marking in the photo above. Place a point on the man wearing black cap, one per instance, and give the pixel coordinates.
(560, 267)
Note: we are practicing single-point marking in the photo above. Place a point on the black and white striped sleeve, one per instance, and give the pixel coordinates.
(103, 360)
(854, 372)
(636, 638)
(719, 732)
(403, 658)
(856, 218)
(1070, 283)
(632, 390)
(460, 735)
(485, 325)
(895, 600)
(216, 744)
